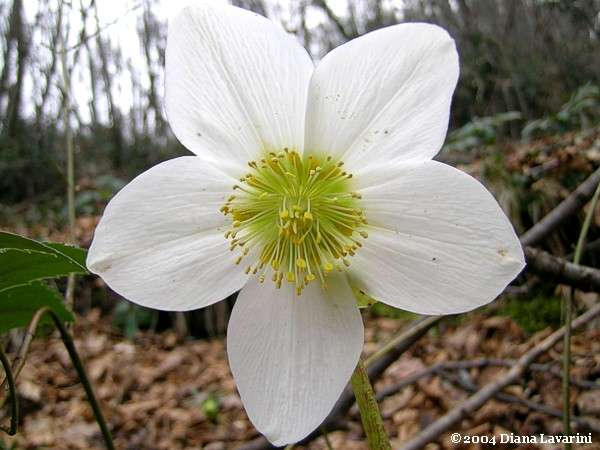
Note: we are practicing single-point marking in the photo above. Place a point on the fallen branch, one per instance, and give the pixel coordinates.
(336, 418)
(581, 277)
(569, 206)
(444, 366)
(465, 382)
(477, 400)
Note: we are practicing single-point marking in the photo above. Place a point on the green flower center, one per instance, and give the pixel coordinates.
(298, 215)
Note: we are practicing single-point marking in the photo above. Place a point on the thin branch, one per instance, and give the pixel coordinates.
(19, 360)
(473, 403)
(569, 206)
(444, 366)
(334, 18)
(561, 271)
(14, 404)
(467, 384)
(77, 363)
(568, 302)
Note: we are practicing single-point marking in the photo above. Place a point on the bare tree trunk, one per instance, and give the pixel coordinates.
(17, 41)
(113, 110)
(150, 29)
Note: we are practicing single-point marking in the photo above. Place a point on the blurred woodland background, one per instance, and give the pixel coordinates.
(86, 77)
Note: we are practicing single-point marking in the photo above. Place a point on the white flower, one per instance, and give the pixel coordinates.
(411, 232)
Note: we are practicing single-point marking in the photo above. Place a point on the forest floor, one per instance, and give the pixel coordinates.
(160, 391)
(154, 388)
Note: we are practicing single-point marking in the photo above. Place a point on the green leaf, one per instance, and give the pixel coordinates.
(77, 254)
(24, 260)
(363, 300)
(19, 304)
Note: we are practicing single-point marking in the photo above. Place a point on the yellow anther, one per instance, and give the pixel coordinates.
(238, 260)
(297, 213)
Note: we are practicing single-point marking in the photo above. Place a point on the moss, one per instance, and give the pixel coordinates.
(534, 313)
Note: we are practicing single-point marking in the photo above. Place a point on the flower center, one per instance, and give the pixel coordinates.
(299, 213)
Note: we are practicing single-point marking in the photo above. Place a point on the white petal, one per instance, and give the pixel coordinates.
(383, 96)
(440, 244)
(292, 356)
(160, 241)
(236, 84)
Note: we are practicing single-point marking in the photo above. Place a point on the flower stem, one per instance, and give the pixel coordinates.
(369, 410)
(568, 308)
(85, 381)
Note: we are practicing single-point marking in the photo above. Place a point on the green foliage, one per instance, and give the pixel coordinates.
(19, 304)
(8, 446)
(582, 109)
(129, 318)
(383, 310)
(535, 313)
(91, 201)
(211, 406)
(479, 131)
(362, 299)
(23, 263)
(24, 260)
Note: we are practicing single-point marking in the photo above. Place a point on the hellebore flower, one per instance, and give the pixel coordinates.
(305, 181)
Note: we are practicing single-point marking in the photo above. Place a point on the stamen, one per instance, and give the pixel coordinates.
(301, 214)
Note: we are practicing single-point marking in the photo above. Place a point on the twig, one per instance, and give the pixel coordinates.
(568, 302)
(14, 405)
(335, 419)
(334, 18)
(77, 363)
(474, 402)
(467, 384)
(326, 437)
(426, 324)
(444, 366)
(581, 277)
(19, 361)
(569, 206)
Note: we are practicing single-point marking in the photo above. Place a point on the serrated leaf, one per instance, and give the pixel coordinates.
(17, 242)
(23, 260)
(77, 254)
(19, 304)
